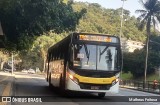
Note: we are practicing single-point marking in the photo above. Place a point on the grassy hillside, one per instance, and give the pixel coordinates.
(101, 20)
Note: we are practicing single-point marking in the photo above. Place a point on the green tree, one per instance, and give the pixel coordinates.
(138, 57)
(154, 53)
(107, 21)
(42, 43)
(132, 59)
(3, 58)
(148, 17)
(24, 19)
(36, 55)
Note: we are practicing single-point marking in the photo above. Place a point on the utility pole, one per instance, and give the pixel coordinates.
(120, 36)
(121, 19)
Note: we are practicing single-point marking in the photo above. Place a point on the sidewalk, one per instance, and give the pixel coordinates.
(141, 89)
(6, 85)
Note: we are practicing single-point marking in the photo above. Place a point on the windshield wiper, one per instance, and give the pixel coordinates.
(102, 52)
(87, 53)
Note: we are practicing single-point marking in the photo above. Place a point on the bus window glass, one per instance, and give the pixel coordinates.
(84, 56)
(107, 58)
(95, 57)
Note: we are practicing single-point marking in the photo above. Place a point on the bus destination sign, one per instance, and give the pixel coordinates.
(97, 38)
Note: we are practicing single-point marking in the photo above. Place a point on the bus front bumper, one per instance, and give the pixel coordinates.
(71, 85)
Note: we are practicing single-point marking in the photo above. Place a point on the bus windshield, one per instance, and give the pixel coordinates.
(95, 57)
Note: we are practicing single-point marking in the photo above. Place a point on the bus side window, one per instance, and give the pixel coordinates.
(71, 55)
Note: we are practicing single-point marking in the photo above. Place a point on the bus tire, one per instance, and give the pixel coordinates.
(101, 95)
(49, 80)
(61, 86)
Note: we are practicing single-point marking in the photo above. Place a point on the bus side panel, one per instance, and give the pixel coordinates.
(56, 72)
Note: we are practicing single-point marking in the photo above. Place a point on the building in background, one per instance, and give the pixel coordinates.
(130, 45)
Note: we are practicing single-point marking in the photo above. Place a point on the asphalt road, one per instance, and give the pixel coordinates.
(35, 85)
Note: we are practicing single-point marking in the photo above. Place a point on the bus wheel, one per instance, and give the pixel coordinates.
(101, 95)
(61, 86)
(50, 85)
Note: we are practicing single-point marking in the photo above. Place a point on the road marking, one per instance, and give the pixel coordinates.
(6, 92)
(7, 89)
(4, 79)
(120, 94)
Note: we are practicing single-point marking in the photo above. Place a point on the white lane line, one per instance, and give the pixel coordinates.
(120, 94)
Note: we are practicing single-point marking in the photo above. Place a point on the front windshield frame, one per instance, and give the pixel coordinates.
(117, 68)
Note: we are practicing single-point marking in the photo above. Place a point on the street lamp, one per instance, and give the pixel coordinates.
(121, 34)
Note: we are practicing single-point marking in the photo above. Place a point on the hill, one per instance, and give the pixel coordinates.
(102, 20)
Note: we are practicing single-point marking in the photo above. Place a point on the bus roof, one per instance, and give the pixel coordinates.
(68, 38)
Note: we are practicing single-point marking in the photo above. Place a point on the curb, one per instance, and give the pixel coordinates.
(132, 88)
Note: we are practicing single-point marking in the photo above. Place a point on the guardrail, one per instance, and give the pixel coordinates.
(150, 86)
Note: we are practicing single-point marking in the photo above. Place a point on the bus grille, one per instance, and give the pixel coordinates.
(90, 86)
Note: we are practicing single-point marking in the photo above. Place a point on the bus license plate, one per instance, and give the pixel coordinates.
(95, 87)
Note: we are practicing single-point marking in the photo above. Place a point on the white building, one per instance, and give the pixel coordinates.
(130, 45)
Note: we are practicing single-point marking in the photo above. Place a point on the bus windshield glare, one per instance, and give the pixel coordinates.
(95, 57)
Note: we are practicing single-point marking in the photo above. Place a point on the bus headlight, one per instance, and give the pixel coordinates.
(74, 79)
(115, 81)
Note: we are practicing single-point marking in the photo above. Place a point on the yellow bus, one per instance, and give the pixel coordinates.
(85, 62)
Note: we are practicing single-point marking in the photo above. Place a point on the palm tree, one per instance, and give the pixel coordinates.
(148, 17)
